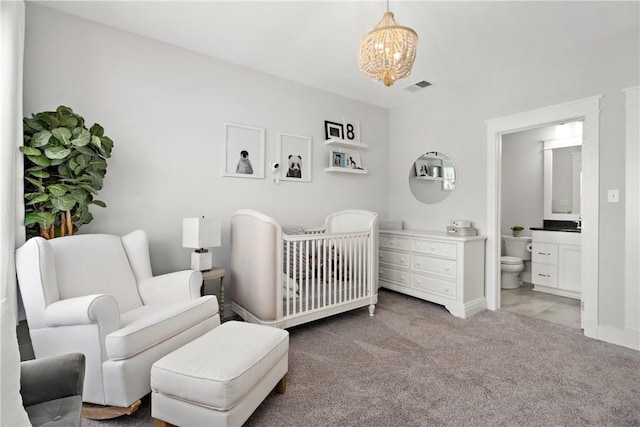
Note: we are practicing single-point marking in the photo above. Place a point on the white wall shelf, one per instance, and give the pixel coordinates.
(343, 143)
(346, 170)
(429, 178)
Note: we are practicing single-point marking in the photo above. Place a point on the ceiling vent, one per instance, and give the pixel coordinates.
(417, 86)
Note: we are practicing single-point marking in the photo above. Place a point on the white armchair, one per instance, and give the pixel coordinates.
(95, 294)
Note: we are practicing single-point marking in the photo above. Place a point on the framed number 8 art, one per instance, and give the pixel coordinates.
(351, 130)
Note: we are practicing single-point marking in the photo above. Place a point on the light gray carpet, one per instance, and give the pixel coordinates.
(414, 364)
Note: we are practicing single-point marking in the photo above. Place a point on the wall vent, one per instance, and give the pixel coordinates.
(423, 83)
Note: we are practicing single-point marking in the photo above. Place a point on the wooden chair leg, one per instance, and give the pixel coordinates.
(160, 423)
(281, 387)
(100, 412)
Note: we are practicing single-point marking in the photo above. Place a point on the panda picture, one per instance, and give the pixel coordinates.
(295, 166)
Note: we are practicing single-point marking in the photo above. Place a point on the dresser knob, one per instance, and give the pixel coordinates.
(446, 269)
(402, 261)
(418, 281)
(446, 290)
(418, 263)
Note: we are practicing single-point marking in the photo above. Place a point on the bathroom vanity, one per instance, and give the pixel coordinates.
(436, 267)
(556, 262)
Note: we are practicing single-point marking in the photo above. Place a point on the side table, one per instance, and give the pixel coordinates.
(215, 273)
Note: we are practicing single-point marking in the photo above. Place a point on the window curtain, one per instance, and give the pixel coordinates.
(12, 232)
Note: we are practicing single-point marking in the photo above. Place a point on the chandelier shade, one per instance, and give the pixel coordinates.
(387, 51)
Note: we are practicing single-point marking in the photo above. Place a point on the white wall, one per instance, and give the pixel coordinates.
(165, 108)
(453, 122)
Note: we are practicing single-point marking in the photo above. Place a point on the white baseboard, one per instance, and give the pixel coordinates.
(627, 337)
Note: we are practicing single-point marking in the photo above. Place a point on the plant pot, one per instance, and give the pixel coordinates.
(517, 233)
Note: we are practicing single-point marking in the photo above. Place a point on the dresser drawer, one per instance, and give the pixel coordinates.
(544, 274)
(433, 285)
(397, 276)
(443, 249)
(544, 253)
(400, 259)
(444, 267)
(394, 242)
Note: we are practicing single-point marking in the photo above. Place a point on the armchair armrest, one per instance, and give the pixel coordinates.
(84, 310)
(172, 287)
(50, 378)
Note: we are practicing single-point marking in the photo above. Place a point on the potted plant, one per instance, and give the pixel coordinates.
(517, 230)
(64, 168)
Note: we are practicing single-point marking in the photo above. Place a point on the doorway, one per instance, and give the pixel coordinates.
(587, 110)
(541, 183)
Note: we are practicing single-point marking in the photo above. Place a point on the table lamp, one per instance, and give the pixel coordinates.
(200, 234)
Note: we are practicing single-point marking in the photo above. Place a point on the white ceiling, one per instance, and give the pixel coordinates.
(316, 42)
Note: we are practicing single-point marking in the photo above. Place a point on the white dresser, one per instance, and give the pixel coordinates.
(435, 267)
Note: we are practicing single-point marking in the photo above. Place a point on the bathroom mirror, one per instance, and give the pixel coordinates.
(432, 177)
(562, 179)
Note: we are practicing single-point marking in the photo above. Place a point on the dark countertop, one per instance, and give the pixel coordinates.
(563, 229)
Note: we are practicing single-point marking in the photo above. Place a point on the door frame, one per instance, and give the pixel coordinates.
(587, 109)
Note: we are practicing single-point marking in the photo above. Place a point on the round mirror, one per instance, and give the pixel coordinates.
(432, 177)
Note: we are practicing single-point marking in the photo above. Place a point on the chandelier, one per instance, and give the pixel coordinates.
(387, 51)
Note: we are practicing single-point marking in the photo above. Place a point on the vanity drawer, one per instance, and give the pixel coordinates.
(397, 276)
(439, 266)
(394, 242)
(544, 274)
(431, 247)
(545, 253)
(397, 258)
(441, 287)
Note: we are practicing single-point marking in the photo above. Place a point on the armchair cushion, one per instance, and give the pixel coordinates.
(149, 325)
(51, 389)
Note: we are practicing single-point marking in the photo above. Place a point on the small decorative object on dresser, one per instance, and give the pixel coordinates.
(435, 267)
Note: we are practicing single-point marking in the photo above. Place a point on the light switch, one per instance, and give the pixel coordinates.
(613, 196)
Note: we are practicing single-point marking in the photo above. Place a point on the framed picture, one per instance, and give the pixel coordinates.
(333, 130)
(352, 159)
(337, 159)
(351, 130)
(294, 156)
(244, 151)
(422, 167)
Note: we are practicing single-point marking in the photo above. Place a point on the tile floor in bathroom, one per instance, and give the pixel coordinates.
(524, 300)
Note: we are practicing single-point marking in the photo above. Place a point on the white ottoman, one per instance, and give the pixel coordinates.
(220, 378)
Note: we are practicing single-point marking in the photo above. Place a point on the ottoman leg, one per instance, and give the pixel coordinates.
(160, 423)
(281, 387)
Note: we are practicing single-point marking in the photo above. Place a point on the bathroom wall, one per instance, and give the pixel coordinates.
(523, 178)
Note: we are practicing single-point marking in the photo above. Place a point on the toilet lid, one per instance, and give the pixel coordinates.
(511, 260)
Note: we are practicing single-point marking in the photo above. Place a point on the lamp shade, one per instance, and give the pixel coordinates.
(200, 233)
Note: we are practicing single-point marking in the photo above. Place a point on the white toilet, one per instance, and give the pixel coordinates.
(518, 250)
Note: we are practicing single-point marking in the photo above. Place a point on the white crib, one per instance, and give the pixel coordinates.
(283, 280)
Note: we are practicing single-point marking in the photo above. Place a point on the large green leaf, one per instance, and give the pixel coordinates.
(41, 160)
(57, 190)
(79, 195)
(85, 150)
(89, 188)
(107, 145)
(56, 162)
(64, 110)
(57, 152)
(37, 183)
(99, 203)
(40, 139)
(82, 139)
(45, 219)
(33, 124)
(39, 173)
(38, 199)
(68, 121)
(62, 134)
(64, 171)
(49, 118)
(64, 203)
(29, 151)
(97, 130)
